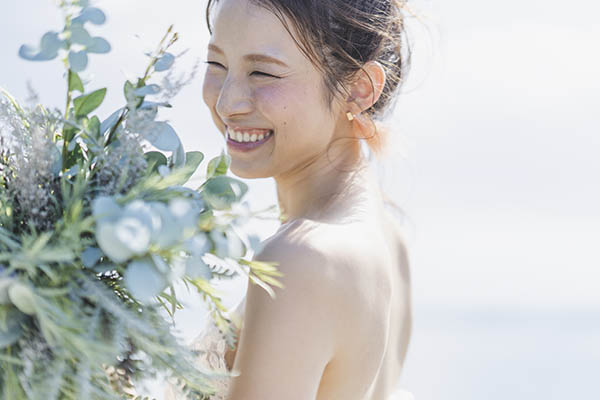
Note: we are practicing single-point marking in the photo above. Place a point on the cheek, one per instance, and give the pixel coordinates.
(210, 89)
(289, 105)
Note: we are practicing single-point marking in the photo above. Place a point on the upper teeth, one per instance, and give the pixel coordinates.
(249, 135)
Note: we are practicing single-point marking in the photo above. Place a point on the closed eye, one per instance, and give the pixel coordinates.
(216, 64)
(264, 74)
(256, 73)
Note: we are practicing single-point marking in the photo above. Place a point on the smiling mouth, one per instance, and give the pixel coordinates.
(248, 135)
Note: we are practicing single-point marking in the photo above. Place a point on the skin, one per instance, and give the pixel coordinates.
(340, 327)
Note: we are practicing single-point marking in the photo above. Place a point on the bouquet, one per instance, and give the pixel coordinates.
(96, 227)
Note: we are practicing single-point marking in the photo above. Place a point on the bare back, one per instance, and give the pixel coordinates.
(372, 264)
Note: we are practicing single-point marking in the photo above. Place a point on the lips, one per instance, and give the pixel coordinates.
(247, 135)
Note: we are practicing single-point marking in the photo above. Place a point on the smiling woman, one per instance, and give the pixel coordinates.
(294, 87)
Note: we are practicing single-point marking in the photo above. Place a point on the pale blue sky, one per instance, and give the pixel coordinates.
(497, 162)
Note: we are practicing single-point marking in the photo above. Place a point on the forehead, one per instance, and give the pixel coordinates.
(244, 27)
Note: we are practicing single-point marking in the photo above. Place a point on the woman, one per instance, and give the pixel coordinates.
(294, 87)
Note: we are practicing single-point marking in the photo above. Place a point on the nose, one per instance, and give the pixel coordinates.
(235, 99)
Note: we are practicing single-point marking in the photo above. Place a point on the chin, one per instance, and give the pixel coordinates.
(248, 173)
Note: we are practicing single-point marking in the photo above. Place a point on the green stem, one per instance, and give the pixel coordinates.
(159, 52)
(69, 74)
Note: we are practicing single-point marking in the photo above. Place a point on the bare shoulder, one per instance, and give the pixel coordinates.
(316, 250)
(303, 257)
(337, 265)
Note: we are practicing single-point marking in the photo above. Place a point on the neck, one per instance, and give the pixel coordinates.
(324, 186)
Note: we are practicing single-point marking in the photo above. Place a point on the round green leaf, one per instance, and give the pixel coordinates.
(90, 14)
(80, 35)
(78, 60)
(220, 192)
(90, 256)
(165, 138)
(49, 46)
(99, 46)
(196, 268)
(165, 62)
(143, 280)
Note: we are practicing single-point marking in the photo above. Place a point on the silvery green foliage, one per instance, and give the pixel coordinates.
(30, 162)
(95, 230)
(75, 40)
(120, 165)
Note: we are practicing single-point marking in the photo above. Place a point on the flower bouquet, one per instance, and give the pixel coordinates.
(96, 228)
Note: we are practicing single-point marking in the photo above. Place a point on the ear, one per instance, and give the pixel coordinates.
(366, 88)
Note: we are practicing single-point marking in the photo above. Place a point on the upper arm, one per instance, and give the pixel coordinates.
(287, 341)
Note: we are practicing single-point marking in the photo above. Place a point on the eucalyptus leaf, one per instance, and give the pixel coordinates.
(57, 165)
(87, 103)
(105, 207)
(179, 157)
(128, 89)
(110, 122)
(155, 159)
(165, 138)
(80, 35)
(78, 60)
(127, 234)
(220, 192)
(98, 46)
(93, 127)
(167, 231)
(165, 62)
(143, 280)
(75, 82)
(49, 46)
(198, 245)
(219, 165)
(184, 211)
(147, 90)
(90, 14)
(91, 256)
(192, 162)
(196, 268)
(111, 244)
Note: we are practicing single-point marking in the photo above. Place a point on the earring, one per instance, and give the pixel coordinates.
(350, 116)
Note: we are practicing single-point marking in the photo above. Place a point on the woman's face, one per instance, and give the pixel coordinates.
(258, 82)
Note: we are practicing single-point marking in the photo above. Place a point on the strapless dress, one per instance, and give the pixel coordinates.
(211, 348)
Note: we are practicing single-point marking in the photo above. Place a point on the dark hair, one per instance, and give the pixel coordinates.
(340, 36)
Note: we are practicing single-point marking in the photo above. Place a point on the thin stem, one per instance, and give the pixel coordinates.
(159, 52)
(69, 75)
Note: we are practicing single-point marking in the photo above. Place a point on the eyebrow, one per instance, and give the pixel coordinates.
(252, 57)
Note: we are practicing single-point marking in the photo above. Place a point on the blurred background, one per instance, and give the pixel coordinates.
(496, 166)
